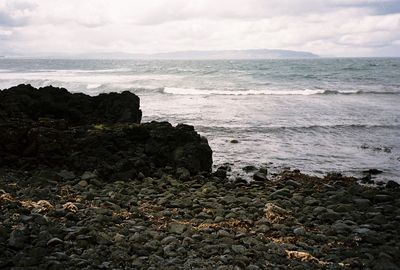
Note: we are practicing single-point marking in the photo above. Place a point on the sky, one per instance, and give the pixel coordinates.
(343, 28)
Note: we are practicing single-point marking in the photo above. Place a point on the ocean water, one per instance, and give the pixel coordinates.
(317, 115)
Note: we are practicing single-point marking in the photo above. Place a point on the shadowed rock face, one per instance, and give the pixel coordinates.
(26, 102)
(117, 151)
(52, 128)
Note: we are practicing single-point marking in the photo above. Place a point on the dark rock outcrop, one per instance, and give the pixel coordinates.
(52, 128)
(26, 102)
(119, 151)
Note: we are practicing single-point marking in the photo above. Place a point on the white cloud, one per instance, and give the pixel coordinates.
(327, 27)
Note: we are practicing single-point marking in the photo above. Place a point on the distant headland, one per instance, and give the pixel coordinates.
(252, 54)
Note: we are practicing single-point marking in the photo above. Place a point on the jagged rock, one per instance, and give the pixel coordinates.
(392, 184)
(373, 171)
(26, 102)
(52, 128)
(258, 176)
(121, 151)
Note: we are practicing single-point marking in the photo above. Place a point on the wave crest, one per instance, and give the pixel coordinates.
(305, 92)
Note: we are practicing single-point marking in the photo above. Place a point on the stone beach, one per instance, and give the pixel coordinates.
(108, 192)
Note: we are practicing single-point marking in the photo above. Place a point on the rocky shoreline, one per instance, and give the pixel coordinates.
(102, 191)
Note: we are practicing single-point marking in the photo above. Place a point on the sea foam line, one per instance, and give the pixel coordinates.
(305, 92)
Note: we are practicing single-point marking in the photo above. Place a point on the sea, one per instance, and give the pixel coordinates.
(316, 115)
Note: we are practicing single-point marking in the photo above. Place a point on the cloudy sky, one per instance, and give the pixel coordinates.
(324, 27)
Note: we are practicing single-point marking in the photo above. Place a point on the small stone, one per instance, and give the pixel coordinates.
(183, 173)
(319, 210)
(40, 219)
(54, 241)
(258, 176)
(140, 176)
(66, 175)
(88, 175)
(83, 183)
(340, 227)
(311, 201)
(17, 239)
(362, 203)
(221, 173)
(169, 250)
(299, 231)
(177, 228)
(330, 215)
(118, 238)
(234, 141)
(239, 249)
(362, 230)
(168, 239)
(218, 219)
(293, 183)
(187, 241)
(342, 208)
(284, 192)
(379, 219)
(249, 168)
(252, 267)
(392, 184)
(373, 171)
(382, 198)
(263, 228)
(263, 170)
(223, 233)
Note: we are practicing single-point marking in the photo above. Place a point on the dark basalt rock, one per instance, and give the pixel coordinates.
(373, 171)
(110, 150)
(52, 128)
(116, 151)
(26, 102)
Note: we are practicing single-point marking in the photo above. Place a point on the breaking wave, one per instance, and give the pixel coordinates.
(305, 92)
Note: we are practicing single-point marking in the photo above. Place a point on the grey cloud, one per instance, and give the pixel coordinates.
(16, 13)
(7, 20)
(176, 10)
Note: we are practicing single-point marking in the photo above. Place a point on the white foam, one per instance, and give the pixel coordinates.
(193, 91)
(93, 85)
(277, 92)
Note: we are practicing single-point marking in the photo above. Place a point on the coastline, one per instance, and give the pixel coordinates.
(62, 213)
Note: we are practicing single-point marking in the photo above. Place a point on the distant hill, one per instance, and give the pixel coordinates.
(183, 55)
(234, 54)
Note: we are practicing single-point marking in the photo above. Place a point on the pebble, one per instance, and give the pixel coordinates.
(66, 175)
(239, 249)
(258, 176)
(382, 198)
(299, 231)
(83, 183)
(284, 192)
(88, 175)
(17, 238)
(54, 241)
(311, 201)
(392, 184)
(223, 233)
(177, 228)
